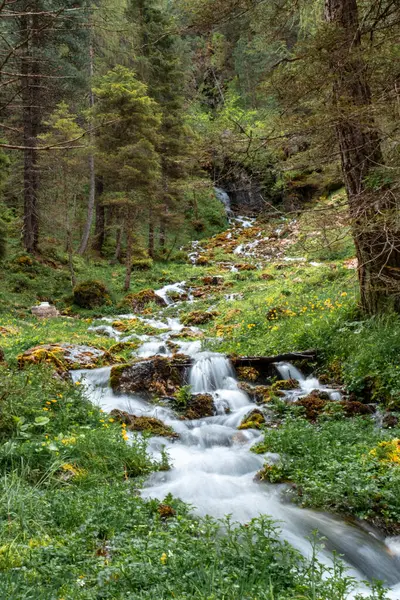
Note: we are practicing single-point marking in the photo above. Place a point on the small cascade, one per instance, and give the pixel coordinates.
(174, 288)
(224, 198)
(307, 384)
(214, 469)
(210, 372)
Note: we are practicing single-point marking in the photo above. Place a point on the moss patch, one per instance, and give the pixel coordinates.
(198, 317)
(138, 302)
(146, 424)
(254, 420)
(91, 294)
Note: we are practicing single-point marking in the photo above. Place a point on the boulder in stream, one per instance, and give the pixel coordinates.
(253, 420)
(138, 302)
(65, 357)
(148, 424)
(152, 377)
(199, 407)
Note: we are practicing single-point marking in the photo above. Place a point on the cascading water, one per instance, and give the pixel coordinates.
(214, 469)
(224, 198)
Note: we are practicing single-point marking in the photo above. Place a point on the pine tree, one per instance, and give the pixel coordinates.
(159, 63)
(129, 161)
(39, 74)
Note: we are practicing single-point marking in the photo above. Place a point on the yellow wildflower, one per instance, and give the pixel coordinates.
(163, 558)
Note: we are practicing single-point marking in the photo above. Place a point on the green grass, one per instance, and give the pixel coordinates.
(73, 525)
(335, 465)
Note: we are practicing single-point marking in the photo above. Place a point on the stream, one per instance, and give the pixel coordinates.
(213, 467)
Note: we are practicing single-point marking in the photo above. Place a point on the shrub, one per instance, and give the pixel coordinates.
(90, 294)
(142, 264)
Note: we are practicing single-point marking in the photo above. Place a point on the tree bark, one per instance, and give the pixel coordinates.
(118, 244)
(92, 170)
(100, 227)
(372, 206)
(128, 261)
(151, 234)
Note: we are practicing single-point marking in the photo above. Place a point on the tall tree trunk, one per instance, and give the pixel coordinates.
(118, 244)
(163, 231)
(372, 208)
(92, 170)
(151, 234)
(128, 261)
(100, 227)
(31, 122)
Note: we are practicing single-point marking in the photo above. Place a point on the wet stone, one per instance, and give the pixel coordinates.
(65, 357)
(152, 377)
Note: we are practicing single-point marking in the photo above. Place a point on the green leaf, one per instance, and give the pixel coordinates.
(41, 421)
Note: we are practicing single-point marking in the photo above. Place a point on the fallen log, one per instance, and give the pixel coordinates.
(262, 363)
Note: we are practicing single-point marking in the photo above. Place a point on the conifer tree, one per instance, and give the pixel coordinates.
(129, 161)
(159, 63)
(37, 74)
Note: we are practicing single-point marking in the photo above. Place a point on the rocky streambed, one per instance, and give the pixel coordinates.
(208, 431)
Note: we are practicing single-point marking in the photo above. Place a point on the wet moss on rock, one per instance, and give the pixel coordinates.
(254, 420)
(198, 317)
(65, 357)
(91, 294)
(248, 373)
(154, 377)
(138, 302)
(285, 385)
(149, 425)
(116, 374)
(199, 407)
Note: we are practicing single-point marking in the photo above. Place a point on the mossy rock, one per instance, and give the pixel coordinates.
(285, 384)
(186, 332)
(254, 420)
(149, 425)
(248, 373)
(153, 377)
(215, 280)
(246, 267)
(200, 406)
(261, 394)
(199, 317)
(203, 260)
(267, 277)
(91, 294)
(314, 404)
(65, 357)
(125, 325)
(166, 511)
(138, 302)
(122, 346)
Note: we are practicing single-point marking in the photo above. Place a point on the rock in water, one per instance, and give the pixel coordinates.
(64, 357)
(138, 302)
(45, 310)
(148, 424)
(153, 377)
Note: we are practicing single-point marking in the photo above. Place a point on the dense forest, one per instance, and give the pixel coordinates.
(200, 299)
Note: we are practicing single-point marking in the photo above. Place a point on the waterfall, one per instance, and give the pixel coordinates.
(224, 198)
(210, 372)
